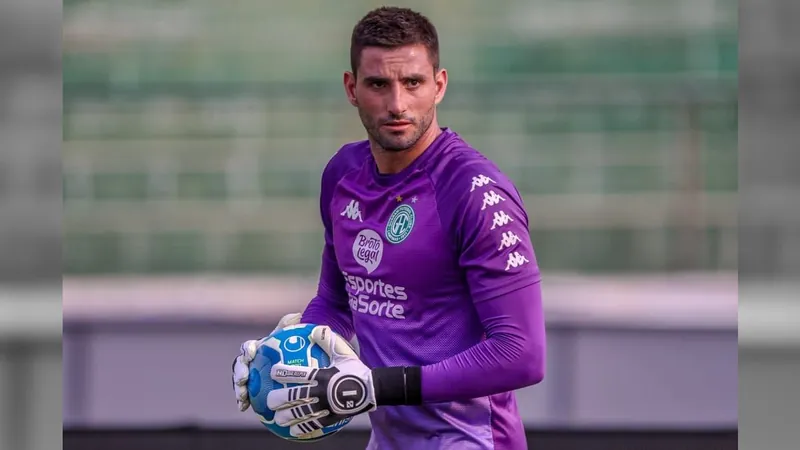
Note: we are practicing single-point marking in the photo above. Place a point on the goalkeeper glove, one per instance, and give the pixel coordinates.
(344, 389)
(241, 364)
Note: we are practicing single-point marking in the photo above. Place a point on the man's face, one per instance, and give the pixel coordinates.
(396, 93)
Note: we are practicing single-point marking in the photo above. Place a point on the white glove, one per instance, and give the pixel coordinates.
(326, 396)
(241, 365)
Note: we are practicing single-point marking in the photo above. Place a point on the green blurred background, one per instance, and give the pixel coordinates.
(195, 132)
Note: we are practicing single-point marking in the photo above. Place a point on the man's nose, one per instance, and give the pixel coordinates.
(397, 102)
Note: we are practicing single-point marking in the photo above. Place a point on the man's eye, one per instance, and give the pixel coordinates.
(413, 83)
(378, 84)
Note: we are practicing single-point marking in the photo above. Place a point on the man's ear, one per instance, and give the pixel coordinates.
(349, 82)
(441, 85)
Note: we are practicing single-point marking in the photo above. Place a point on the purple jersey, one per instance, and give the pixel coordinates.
(434, 267)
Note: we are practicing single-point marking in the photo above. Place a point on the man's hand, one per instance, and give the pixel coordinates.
(241, 365)
(326, 396)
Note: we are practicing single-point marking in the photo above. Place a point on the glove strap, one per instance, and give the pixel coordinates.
(397, 385)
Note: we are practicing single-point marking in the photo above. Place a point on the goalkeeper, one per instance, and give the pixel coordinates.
(427, 262)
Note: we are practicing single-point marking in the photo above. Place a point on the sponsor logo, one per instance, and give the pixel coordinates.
(379, 288)
(400, 224)
(368, 250)
(352, 211)
(515, 259)
(290, 373)
(363, 304)
(375, 297)
(480, 181)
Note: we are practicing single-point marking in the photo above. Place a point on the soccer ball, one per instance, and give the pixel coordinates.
(291, 346)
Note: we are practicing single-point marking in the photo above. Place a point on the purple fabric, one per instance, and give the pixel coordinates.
(434, 267)
(511, 357)
(324, 310)
(330, 306)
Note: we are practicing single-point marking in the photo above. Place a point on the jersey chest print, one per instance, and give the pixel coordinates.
(384, 241)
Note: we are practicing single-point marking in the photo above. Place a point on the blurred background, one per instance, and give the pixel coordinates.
(195, 132)
(194, 135)
(30, 226)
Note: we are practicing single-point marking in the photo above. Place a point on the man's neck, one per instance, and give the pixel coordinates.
(394, 162)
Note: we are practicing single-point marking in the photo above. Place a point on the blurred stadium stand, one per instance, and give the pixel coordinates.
(195, 133)
(194, 137)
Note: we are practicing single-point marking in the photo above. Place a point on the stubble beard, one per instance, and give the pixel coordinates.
(393, 142)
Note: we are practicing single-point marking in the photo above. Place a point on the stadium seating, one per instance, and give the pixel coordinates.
(182, 158)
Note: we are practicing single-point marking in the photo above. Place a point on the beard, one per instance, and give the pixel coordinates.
(396, 141)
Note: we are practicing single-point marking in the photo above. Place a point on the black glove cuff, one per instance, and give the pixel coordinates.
(397, 385)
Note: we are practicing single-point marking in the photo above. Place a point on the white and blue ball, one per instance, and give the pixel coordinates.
(291, 346)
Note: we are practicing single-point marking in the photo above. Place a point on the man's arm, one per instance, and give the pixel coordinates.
(487, 216)
(330, 306)
(497, 256)
(511, 357)
(491, 235)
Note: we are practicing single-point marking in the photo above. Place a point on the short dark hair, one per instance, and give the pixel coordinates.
(392, 27)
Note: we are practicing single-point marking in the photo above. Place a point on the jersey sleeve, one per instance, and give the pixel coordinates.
(489, 225)
(330, 306)
(491, 234)
(511, 357)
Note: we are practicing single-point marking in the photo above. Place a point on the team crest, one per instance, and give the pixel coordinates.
(400, 224)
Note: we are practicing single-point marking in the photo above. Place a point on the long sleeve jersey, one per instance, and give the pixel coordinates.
(434, 267)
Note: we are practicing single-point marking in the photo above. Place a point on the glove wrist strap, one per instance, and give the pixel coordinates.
(397, 385)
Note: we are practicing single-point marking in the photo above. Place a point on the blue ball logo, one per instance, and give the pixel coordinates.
(294, 344)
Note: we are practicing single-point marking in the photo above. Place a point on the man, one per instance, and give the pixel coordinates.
(427, 261)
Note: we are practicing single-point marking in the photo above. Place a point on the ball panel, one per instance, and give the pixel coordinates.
(253, 382)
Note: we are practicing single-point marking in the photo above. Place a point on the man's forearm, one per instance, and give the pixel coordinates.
(511, 357)
(324, 310)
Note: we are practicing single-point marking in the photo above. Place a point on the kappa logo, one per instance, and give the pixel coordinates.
(352, 211)
(368, 250)
(400, 224)
(509, 239)
(491, 198)
(515, 259)
(500, 219)
(480, 181)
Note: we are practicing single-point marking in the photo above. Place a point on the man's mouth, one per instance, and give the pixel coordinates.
(397, 125)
